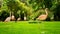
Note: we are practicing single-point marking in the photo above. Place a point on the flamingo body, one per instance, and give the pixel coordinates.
(43, 16)
(7, 19)
(12, 18)
(24, 18)
(18, 19)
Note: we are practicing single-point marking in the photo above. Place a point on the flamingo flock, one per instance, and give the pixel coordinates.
(41, 17)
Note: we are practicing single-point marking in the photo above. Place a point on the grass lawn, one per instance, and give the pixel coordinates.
(23, 27)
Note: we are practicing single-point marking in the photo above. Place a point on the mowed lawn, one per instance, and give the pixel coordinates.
(25, 27)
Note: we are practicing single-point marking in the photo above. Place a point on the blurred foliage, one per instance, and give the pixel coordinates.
(30, 8)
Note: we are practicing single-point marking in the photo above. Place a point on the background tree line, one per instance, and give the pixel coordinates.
(29, 8)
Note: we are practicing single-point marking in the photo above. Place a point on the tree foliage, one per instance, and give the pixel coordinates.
(30, 8)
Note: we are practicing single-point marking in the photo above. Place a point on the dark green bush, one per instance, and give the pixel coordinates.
(3, 15)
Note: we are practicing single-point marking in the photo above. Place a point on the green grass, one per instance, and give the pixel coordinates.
(23, 27)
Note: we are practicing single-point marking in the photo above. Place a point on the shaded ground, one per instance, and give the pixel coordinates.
(23, 27)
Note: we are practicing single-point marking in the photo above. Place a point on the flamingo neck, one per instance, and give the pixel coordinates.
(46, 11)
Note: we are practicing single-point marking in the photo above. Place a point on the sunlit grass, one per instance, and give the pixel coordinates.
(24, 27)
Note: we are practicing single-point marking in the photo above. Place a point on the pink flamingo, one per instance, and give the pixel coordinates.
(19, 19)
(11, 18)
(43, 16)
